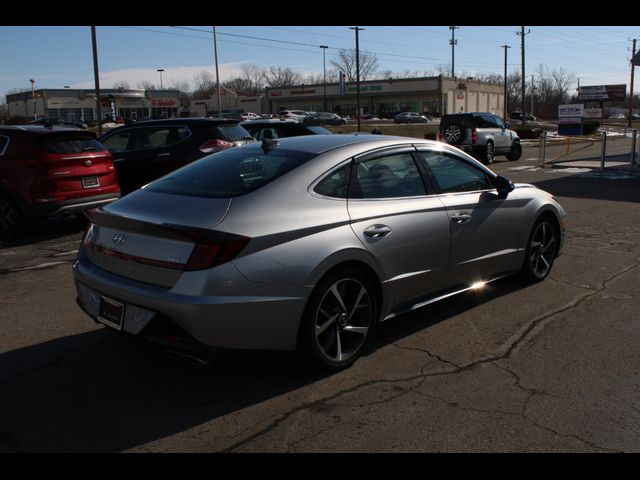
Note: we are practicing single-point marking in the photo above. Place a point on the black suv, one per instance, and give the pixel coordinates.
(144, 151)
(269, 128)
(483, 135)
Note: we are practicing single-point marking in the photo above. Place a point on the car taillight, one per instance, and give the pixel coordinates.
(474, 135)
(209, 252)
(210, 249)
(212, 146)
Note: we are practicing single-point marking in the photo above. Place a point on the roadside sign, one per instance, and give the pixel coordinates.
(611, 93)
(573, 110)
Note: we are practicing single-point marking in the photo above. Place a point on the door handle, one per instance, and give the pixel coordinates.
(377, 231)
(461, 217)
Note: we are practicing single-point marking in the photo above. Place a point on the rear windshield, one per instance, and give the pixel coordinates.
(69, 144)
(465, 121)
(232, 133)
(231, 173)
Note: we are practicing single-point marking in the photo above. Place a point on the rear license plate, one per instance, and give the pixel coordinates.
(111, 313)
(90, 182)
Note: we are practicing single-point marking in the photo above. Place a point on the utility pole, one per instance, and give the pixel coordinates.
(215, 52)
(97, 80)
(357, 29)
(453, 42)
(633, 65)
(522, 34)
(504, 102)
(324, 75)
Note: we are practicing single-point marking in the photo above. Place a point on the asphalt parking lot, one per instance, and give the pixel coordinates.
(551, 367)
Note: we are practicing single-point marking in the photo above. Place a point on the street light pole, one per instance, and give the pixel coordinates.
(97, 80)
(160, 70)
(357, 29)
(33, 97)
(324, 75)
(215, 52)
(504, 102)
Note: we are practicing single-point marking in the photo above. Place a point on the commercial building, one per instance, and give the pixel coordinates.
(433, 95)
(80, 105)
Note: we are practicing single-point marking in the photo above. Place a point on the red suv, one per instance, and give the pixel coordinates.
(47, 170)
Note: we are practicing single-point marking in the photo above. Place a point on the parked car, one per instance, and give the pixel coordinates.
(410, 117)
(307, 243)
(484, 135)
(297, 115)
(617, 116)
(51, 170)
(517, 116)
(268, 128)
(144, 151)
(250, 116)
(324, 118)
(58, 121)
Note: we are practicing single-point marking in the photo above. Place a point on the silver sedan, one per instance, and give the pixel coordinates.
(306, 243)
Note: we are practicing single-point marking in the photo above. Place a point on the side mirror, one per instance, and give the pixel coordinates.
(504, 186)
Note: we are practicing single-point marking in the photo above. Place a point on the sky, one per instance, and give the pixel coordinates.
(59, 56)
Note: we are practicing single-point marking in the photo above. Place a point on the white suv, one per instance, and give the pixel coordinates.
(297, 115)
(484, 135)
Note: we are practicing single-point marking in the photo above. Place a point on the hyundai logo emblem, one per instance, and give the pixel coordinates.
(119, 239)
(88, 163)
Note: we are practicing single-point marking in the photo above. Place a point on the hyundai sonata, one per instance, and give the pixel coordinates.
(306, 243)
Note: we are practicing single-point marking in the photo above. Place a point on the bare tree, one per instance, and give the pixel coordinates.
(145, 85)
(347, 63)
(279, 77)
(121, 84)
(205, 85)
(183, 87)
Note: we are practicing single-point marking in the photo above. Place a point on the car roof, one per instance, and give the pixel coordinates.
(40, 129)
(185, 121)
(269, 121)
(317, 144)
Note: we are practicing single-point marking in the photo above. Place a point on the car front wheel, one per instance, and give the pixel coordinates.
(338, 320)
(542, 249)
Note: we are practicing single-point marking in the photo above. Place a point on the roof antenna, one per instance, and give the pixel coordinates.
(269, 144)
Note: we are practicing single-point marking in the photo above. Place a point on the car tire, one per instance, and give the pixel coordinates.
(11, 220)
(454, 134)
(339, 319)
(515, 153)
(489, 153)
(542, 249)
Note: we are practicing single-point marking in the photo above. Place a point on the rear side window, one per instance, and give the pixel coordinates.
(229, 173)
(390, 176)
(231, 133)
(336, 184)
(67, 144)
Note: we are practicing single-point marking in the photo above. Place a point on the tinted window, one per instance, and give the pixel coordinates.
(336, 184)
(65, 144)
(230, 173)
(117, 141)
(319, 130)
(387, 177)
(453, 174)
(231, 133)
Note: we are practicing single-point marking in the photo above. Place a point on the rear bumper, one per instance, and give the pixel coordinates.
(225, 312)
(75, 205)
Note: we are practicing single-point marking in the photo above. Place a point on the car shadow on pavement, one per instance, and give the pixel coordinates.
(47, 229)
(614, 185)
(101, 391)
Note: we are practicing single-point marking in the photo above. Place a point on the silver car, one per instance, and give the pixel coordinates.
(306, 243)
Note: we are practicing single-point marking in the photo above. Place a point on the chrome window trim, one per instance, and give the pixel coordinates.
(6, 144)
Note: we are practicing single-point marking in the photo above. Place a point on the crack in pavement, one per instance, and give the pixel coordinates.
(503, 351)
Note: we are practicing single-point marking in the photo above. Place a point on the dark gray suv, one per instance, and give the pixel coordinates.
(482, 134)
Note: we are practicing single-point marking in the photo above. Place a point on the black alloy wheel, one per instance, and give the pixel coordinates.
(542, 249)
